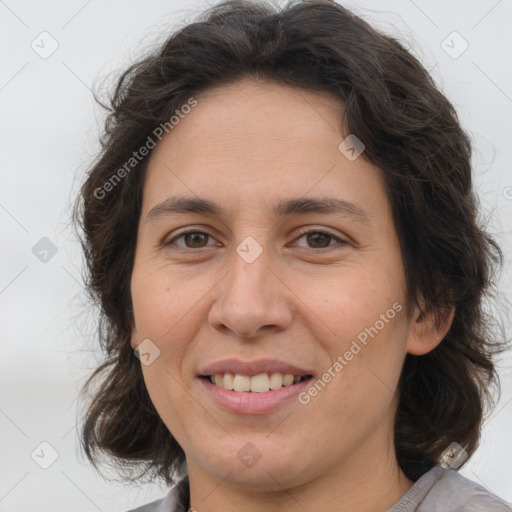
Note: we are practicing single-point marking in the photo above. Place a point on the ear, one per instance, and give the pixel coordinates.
(424, 334)
(133, 341)
(134, 337)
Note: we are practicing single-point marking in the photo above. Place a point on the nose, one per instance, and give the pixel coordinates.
(252, 300)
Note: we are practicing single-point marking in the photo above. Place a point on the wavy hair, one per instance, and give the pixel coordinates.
(411, 131)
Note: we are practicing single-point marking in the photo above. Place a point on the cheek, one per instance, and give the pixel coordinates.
(160, 318)
(370, 359)
(353, 300)
(169, 398)
(364, 310)
(164, 304)
(163, 310)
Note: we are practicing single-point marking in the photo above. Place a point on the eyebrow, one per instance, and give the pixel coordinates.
(283, 208)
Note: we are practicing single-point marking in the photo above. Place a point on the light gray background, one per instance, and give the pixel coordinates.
(48, 138)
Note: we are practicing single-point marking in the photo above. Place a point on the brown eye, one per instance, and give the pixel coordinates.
(320, 240)
(196, 239)
(314, 240)
(192, 239)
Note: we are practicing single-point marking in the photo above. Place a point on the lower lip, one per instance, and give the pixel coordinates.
(253, 403)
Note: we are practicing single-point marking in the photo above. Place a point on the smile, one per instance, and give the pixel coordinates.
(248, 401)
(261, 383)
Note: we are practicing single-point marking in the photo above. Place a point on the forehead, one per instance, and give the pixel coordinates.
(252, 142)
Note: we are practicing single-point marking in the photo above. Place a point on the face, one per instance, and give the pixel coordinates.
(254, 290)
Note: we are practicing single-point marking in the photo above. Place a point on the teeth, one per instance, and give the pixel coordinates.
(241, 383)
(260, 383)
(276, 380)
(257, 384)
(288, 379)
(229, 381)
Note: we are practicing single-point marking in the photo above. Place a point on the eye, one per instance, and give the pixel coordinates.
(320, 239)
(195, 239)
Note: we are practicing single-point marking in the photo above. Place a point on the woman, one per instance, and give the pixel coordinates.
(282, 233)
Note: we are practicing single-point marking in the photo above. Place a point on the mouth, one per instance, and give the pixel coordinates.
(261, 383)
(257, 386)
(258, 394)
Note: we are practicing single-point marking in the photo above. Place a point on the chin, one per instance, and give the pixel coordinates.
(258, 462)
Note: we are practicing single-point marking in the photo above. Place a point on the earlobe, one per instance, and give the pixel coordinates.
(134, 337)
(425, 333)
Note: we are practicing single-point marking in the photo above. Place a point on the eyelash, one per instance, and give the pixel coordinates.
(189, 231)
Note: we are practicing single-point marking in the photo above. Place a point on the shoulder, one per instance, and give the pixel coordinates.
(455, 493)
(175, 501)
(458, 491)
(154, 506)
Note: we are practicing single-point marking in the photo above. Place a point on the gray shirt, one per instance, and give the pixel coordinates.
(438, 490)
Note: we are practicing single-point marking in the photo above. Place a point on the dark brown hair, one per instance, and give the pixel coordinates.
(410, 130)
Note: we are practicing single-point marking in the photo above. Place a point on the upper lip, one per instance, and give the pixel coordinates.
(252, 367)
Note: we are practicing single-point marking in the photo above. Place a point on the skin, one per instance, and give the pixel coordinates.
(246, 146)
